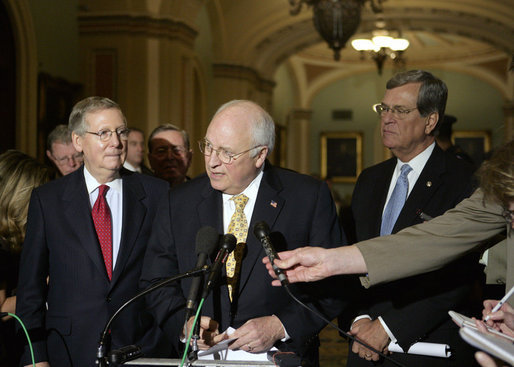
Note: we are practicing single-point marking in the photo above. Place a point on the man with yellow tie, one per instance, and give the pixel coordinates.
(240, 189)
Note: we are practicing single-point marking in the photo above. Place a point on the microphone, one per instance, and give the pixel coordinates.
(206, 240)
(228, 244)
(261, 231)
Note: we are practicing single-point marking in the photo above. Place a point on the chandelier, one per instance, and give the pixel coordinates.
(381, 46)
(335, 20)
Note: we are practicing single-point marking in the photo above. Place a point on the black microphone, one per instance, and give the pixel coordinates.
(228, 244)
(261, 231)
(206, 241)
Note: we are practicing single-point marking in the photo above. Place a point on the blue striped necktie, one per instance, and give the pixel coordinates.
(396, 202)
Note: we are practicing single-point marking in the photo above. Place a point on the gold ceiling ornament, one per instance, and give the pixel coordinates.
(335, 20)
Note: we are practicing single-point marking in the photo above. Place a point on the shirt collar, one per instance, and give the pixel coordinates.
(251, 190)
(418, 162)
(92, 184)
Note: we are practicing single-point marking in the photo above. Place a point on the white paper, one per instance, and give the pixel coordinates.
(425, 349)
(220, 351)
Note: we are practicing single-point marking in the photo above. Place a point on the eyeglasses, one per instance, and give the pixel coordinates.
(508, 215)
(105, 135)
(398, 113)
(224, 156)
(78, 157)
(163, 151)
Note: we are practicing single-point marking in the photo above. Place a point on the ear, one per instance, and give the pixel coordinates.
(77, 142)
(261, 157)
(431, 122)
(50, 156)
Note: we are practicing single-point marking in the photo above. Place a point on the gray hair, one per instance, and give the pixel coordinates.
(169, 127)
(263, 127)
(60, 134)
(77, 122)
(433, 92)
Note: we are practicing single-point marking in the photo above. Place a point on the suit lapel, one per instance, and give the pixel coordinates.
(134, 213)
(425, 187)
(379, 195)
(77, 207)
(210, 209)
(268, 206)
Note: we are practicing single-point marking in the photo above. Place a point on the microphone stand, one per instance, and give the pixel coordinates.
(193, 354)
(101, 351)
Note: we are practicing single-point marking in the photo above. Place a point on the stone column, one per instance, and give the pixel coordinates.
(298, 140)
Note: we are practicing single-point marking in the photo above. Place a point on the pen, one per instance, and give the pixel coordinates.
(502, 301)
(423, 216)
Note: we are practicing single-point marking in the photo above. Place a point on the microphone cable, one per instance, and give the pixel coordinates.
(199, 308)
(3, 314)
(321, 316)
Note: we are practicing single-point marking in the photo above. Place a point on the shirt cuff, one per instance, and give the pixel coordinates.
(360, 318)
(387, 330)
(287, 337)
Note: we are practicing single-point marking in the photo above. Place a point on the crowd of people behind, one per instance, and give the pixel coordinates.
(80, 238)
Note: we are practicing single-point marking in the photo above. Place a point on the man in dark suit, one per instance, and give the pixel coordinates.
(83, 250)
(298, 209)
(135, 160)
(169, 153)
(414, 309)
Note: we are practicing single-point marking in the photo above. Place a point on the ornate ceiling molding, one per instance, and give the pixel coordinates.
(134, 25)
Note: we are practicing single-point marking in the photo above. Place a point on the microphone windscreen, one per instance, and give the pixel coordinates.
(229, 242)
(261, 230)
(206, 240)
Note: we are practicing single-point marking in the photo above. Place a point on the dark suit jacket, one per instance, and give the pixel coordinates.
(299, 211)
(61, 243)
(416, 308)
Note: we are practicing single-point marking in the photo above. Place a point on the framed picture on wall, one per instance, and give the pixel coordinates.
(475, 143)
(341, 156)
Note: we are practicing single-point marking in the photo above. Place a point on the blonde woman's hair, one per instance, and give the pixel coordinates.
(497, 175)
(19, 174)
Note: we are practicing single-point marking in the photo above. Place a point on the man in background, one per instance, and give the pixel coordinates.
(170, 153)
(61, 151)
(444, 139)
(136, 152)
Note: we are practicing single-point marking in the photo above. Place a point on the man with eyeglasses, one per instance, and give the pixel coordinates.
(169, 153)
(241, 188)
(419, 182)
(61, 151)
(87, 233)
(427, 246)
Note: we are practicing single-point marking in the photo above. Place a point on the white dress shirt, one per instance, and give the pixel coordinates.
(114, 197)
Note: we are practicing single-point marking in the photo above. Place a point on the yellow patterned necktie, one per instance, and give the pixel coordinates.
(238, 227)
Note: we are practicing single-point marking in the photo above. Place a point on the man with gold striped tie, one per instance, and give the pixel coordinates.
(241, 188)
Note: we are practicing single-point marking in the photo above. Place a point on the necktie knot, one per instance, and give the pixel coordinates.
(404, 170)
(102, 190)
(240, 201)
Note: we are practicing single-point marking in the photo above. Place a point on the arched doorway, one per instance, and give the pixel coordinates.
(7, 81)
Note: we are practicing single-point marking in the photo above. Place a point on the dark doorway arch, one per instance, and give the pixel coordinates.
(7, 83)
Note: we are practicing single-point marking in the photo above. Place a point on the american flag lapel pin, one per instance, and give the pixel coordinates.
(273, 203)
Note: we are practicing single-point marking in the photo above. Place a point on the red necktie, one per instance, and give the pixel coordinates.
(102, 219)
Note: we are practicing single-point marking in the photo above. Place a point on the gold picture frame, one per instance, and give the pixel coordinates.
(475, 143)
(341, 156)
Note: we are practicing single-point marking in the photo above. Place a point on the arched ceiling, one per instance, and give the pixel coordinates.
(262, 34)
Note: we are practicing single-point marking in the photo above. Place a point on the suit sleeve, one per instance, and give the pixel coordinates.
(325, 231)
(32, 286)
(160, 262)
(431, 245)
